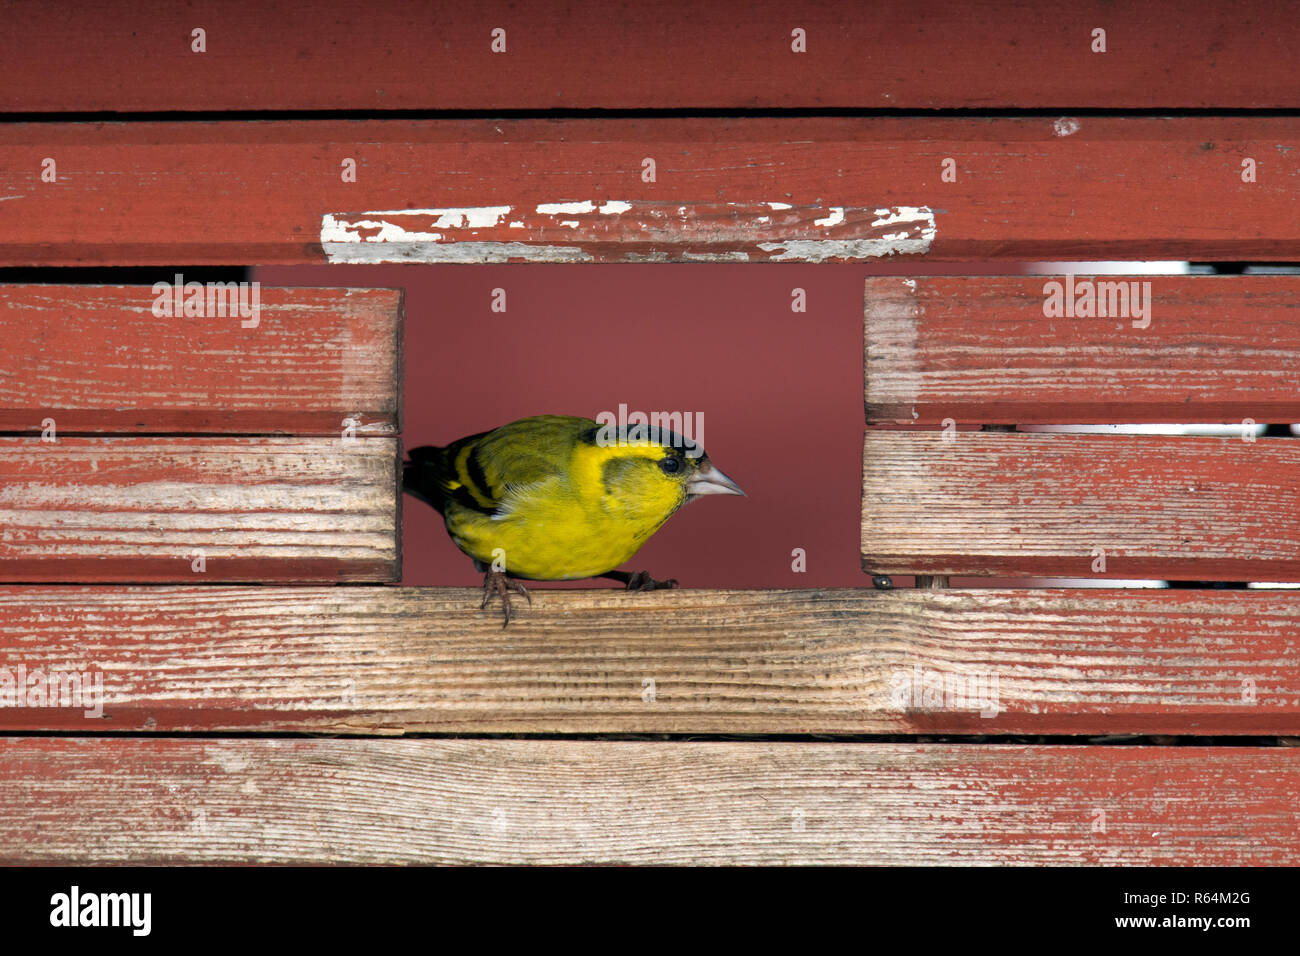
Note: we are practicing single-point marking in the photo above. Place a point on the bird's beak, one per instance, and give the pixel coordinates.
(709, 481)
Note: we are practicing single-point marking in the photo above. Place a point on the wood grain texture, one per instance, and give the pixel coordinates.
(137, 801)
(1015, 504)
(98, 359)
(110, 55)
(271, 192)
(259, 509)
(982, 350)
(395, 660)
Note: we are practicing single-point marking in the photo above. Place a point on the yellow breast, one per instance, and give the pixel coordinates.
(572, 526)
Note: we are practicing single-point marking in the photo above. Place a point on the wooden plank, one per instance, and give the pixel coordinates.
(394, 660)
(169, 801)
(104, 359)
(138, 509)
(573, 190)
(1014, 504)
(117, 56)
(998, 349)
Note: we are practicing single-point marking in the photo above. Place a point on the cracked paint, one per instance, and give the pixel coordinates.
(628, 231)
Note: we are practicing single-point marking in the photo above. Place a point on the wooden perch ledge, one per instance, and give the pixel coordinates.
(398, 660)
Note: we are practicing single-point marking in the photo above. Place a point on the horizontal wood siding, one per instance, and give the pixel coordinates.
(576, 802)
(1015, 504)
(998, 349)
(395, 660)
(729, 189)
(120, 359)
(718, 54)
(138, 509)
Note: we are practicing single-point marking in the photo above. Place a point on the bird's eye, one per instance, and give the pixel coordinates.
(670, 466)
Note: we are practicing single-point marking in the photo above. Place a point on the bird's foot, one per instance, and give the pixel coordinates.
(496, 583)
(641, 581)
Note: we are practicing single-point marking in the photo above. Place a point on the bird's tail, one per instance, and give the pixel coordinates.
(426, 474)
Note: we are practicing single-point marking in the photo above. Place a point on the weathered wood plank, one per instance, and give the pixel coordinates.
(118, 56)
(141, 509)
(1015, 504)
(102, 359)
(393, 660)
(136, 801)
(574, 190)
(998, 350)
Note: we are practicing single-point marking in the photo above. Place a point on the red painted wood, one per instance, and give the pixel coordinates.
(113, 55)
(259, 509)
(137, 801)
(155, 194)
(850, 661)
(983, 350)
(1017, 505)
(98, 359)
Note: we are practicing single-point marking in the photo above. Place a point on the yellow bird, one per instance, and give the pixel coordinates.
(556, 498)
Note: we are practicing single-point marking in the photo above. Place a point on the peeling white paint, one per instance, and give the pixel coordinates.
(915, 241)
(834, 219)
(342, 241)
(359, 253)
(334, 231)
(387, 239)
(733, 256)
(612, 207)
(387, 235)
(1066, 126)
(565, 208)
(462, 217)
(904, 214)
(819, 250)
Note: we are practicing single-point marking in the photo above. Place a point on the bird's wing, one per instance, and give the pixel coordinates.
(521, 458)
(491, 472)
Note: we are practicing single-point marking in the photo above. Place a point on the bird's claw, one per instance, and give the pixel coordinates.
(641, 581)
(497, 584)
